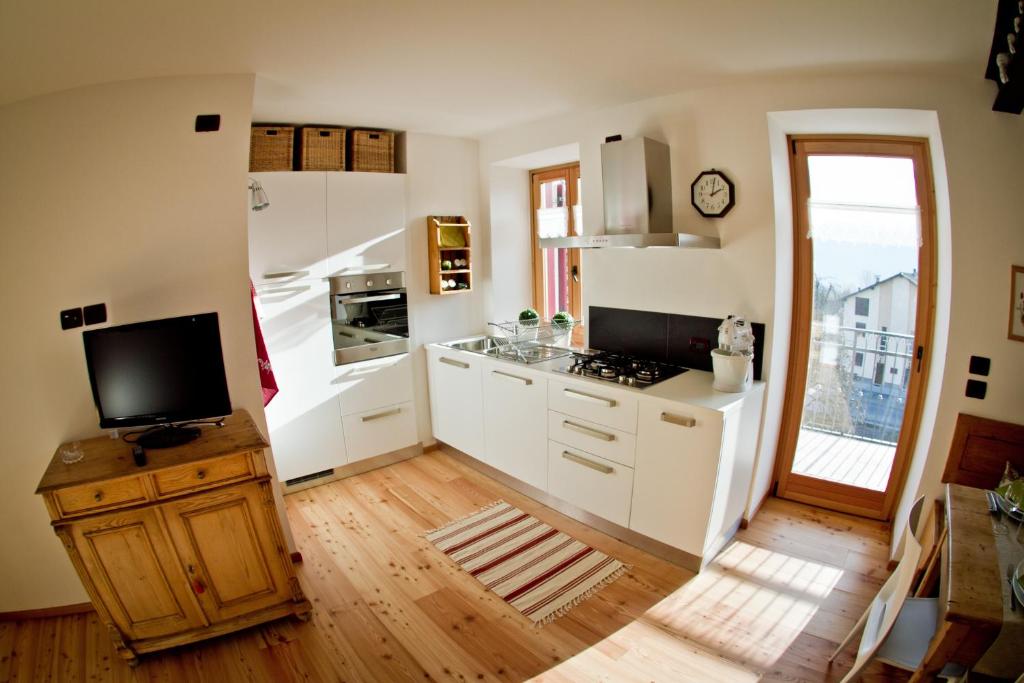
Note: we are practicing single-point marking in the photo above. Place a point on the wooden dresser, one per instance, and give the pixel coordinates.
(185, 548)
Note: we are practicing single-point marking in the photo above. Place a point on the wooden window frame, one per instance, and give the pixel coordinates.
(844, 498)
(571, 174)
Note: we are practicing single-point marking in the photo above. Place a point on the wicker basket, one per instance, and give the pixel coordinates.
(322, 149)
(270, 148)
(373, 150)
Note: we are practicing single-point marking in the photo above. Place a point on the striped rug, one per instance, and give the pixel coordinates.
(537, 569)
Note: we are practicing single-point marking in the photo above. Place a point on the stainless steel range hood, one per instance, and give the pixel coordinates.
(637, 181)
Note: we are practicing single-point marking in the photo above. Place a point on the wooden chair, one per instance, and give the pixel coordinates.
(897, 628)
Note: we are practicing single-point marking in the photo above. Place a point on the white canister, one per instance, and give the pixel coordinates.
(734, 371)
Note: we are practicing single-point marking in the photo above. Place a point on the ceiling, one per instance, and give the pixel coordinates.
(465, 67)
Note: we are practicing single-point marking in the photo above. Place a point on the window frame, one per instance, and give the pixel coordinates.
(571, 174)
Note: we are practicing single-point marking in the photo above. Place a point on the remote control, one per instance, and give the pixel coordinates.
(139, 455)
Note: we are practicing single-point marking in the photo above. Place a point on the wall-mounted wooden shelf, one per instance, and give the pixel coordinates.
(449, 238)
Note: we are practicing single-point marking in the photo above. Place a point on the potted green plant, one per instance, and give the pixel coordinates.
(562, 324)
(529, 319)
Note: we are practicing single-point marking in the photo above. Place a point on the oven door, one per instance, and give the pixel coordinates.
(369, 325)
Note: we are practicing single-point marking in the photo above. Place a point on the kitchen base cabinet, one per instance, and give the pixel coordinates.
(589, 482)
(515, 422)
(378, 431)
(198, 554)
(456, 399)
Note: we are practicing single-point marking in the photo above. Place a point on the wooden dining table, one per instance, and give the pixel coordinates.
(978, 626)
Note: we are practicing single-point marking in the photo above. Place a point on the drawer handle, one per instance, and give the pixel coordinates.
(455, 363)
(516, 378)
(377, 416)
(580, 460)
(98, 496)
(680, 420)
(572, 393)
(583, 429)
(285, 273)
(201, 474)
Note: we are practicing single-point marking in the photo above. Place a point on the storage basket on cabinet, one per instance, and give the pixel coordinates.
(271, 148)
(322, 149)
(373, 150)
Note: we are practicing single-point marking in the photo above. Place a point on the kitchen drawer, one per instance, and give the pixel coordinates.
(616, 409)
(101, 496)
(590, 482)
(203, 475)
(379, 431)
(612, 444)
(375, 383)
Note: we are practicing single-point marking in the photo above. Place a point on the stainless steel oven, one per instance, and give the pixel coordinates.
(369, 316)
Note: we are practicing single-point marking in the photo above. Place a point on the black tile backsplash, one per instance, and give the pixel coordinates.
(684, 340)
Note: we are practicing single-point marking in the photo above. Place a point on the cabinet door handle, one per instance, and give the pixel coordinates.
(456, 363)
(680, 420)
(377, 416)
(580, 460)
(280, 275)
(198, 586)
(515, 378)
(572, 393)
(201, 474)
(583, 429)
(98, 496)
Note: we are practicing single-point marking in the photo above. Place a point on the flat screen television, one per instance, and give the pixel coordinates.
(158, 373)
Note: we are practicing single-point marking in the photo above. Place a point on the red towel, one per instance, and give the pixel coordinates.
(267, 381)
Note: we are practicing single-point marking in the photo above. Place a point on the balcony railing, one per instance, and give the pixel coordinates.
(857, 382)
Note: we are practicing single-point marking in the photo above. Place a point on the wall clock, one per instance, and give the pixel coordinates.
(712, 194)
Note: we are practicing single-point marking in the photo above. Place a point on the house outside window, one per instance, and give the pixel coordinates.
(861, 305)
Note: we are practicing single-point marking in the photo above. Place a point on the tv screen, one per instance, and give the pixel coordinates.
(158, 372)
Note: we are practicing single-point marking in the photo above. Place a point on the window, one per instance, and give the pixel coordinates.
(861, 326)
(860, 305)
(557, 275)
(883, 339)
(858, 359)
(879, 373)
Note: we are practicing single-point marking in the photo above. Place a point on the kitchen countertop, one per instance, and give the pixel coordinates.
(692, 387)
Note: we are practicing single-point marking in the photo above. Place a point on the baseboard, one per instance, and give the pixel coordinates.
(661, 550)
(359, 467)
(60, 611)
(745, 521)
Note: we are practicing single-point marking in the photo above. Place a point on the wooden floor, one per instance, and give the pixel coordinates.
(839, 458)
(389, 607)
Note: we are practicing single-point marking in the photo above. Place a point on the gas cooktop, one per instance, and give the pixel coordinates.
(620, 368)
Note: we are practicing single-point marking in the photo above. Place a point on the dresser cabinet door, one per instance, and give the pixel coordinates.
(136, 573)
(227, 543)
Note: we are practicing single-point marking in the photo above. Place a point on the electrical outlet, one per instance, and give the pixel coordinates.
(70, 318)
(95, 314)
(976, 389)
(980, 365)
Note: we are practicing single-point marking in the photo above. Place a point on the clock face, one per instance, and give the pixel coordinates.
(712, 194)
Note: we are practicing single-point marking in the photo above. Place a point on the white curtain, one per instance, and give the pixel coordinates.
(553, 222)
(885, 226)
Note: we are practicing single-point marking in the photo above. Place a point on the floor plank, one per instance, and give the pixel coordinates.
(390, 607)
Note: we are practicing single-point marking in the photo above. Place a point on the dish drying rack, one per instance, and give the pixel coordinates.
(532, 342)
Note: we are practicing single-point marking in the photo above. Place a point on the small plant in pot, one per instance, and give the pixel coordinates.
(562, 324)
(529, 319)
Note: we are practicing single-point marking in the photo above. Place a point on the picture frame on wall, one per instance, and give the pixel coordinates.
(1016, 303)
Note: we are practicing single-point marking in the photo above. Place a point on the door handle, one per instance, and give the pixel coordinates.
(679, 420)
(515, 378)
(575, 273)
(377, 416)
(580, 460)
(583, 429)
(582, 396)
(280, 275)
(455, 363)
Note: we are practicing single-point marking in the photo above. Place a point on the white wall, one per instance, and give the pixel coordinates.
(107, 195)
(728, 128)
(442, 179)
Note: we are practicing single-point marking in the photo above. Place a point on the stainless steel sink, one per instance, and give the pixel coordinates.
(485, 345)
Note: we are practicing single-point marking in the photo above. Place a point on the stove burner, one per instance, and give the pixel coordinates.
(609, 372)
(624, 370)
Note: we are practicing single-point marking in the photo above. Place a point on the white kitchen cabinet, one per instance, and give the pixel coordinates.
(365, 222)
(304, 418)
(515, 421)
(288, 239)
(374, 383)
(590, 482)
(677, 464)
(378, 431)
(608, 406)
(456, 399)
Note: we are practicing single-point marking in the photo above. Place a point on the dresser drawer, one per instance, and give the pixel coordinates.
(609, 443)
(599, 486)
(616, 409)
(102, 495)
(203, 475)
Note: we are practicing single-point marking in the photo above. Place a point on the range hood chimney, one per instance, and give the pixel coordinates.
(637, 181)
